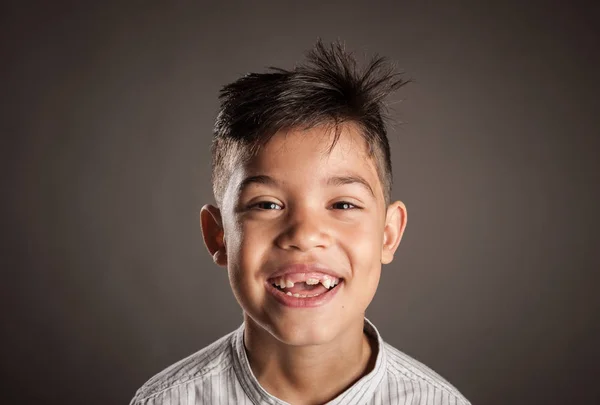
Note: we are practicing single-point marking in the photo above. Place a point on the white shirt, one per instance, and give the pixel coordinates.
(220, 374)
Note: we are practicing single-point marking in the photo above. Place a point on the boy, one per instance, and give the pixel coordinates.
(303, 221)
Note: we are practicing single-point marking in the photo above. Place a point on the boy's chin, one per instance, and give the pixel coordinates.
(293, 331)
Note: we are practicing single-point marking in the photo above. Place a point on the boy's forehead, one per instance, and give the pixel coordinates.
(323, 145)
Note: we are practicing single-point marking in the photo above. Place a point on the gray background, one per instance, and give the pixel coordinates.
(107, 116)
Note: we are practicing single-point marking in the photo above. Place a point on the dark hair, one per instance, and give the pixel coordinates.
(328, 88)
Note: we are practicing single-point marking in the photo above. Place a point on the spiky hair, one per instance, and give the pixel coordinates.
(328, 88)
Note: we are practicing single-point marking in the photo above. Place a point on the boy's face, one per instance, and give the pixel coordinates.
(299, 212)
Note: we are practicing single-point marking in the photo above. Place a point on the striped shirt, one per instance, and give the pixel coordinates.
(220, 374)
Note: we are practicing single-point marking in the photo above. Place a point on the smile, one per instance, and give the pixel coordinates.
(304, 289)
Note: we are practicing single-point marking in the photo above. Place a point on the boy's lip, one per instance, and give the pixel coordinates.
(294, 268)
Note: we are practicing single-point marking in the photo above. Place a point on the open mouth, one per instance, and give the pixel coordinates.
(303, 285)
(305, 289)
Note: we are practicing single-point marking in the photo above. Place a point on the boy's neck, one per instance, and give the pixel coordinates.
(302, 375)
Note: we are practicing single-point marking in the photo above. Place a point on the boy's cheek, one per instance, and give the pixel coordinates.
(249, 255)
(364, 233)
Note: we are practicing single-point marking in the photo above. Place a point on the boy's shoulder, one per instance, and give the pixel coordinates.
(405, 368)
(213, 359)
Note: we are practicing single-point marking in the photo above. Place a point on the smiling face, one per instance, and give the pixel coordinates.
(301, 212)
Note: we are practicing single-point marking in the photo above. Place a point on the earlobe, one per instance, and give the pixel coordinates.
(213, 233)
(395, 223)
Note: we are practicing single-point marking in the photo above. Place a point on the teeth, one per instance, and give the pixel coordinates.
(288, 293)
(326, 281)
(296, 295)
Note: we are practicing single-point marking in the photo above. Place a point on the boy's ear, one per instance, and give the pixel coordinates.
(395, 223)
(213, 234)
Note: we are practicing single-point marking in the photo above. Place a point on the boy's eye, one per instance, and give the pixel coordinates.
(267, 205)
(343, 205)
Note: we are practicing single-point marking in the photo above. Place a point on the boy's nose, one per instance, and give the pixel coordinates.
(304, 232)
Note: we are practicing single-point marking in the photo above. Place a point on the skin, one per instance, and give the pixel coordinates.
(298, 214)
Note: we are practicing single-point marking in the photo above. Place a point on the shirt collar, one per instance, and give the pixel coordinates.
(359, 392)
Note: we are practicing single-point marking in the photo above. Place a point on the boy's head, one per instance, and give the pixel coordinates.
(302, 179)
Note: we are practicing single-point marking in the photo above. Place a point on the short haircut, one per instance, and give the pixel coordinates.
(328, 88)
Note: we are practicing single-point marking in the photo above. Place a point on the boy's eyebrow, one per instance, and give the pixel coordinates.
(332, 181)
(260, 179)
(350, 179)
